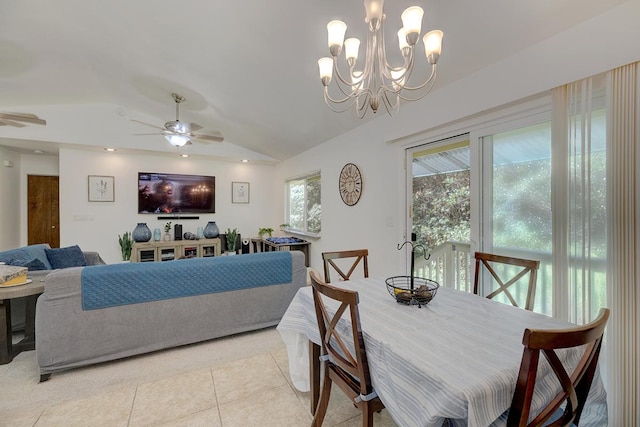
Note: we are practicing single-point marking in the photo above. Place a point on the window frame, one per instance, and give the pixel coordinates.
(316, 174)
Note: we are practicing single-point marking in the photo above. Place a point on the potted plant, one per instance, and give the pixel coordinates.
(126, 245)
(232, 236)
(263, 231)
(167, 229)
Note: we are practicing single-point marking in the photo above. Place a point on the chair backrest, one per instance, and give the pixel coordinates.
(343, 357)
(528, 267)
(329, 258)
(575, 384)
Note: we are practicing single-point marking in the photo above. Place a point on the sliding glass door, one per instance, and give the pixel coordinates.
(516, 202)
(441, 210)
(543, 197)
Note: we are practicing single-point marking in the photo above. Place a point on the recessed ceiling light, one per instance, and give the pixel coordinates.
(245, 161)
(184, 155)
(110, 149)
(38, 151)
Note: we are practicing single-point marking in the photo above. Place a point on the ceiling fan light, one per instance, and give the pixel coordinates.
(182, 127)
(177, 140)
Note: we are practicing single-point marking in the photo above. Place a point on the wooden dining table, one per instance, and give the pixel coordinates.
(454, 361)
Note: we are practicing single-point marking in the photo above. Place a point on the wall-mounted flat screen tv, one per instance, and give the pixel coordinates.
(162, 193)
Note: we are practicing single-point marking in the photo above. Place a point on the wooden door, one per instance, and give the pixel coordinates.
(43, 214)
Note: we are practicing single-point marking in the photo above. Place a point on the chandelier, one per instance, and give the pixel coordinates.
(378, 82)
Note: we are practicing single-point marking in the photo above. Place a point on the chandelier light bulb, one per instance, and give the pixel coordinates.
(325, 67)
(374, 10)
(351, 48)
(412, 23)
(336, 31)
(402, 42)
(433, 45)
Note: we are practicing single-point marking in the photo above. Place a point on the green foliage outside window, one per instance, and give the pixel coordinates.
(305, 212)
(441, 208)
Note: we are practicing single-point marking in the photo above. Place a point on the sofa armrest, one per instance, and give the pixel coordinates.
(93, 258)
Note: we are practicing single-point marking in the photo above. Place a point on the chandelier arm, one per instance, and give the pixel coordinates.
(390, 105)
(348, 94)
(336, 101)
(406, 98)
(357, 91)
(330, 103)
(431, 79)
(361, 110)
(338, 75)
(342, 80)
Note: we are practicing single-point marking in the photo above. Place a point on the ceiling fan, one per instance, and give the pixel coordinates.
(180, 133)
(14, 119)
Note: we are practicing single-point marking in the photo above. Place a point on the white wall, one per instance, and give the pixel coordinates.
(95, 226)
(377, 222)
(9, 199)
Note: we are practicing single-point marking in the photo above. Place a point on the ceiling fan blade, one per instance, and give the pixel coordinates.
(23, 117)
(4, 122)
(154, 133)
(147, 124)
(194, 126)
(214, 138)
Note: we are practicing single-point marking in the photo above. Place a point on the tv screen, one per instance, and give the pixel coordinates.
(161, 193)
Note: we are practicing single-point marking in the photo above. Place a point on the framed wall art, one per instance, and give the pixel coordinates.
(239, 192)
(101, 188)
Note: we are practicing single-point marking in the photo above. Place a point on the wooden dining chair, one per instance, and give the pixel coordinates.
(528, 267)
(344, 365)
(329, 258)
(575, 384)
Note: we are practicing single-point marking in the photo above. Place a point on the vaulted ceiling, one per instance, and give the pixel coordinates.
(246, 68)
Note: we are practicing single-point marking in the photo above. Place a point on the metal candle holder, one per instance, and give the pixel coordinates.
(414, 248)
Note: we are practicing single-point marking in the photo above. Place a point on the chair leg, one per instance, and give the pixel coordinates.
(323, 403)
(367, 416)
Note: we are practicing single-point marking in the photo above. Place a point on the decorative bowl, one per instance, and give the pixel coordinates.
(423, 291)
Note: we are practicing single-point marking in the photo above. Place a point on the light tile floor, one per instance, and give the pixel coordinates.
(251, 391)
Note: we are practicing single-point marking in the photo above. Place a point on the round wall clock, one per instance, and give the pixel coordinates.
(350, 184)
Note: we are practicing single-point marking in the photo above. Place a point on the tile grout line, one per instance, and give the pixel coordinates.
(215, 395)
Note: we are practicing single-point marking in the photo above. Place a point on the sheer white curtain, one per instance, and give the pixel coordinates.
(578, 256)
(623, 261)
(579, 204)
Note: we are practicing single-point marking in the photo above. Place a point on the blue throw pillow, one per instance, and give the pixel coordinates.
(70, 256)
(31, 264)
(37, 251)
(27, 253)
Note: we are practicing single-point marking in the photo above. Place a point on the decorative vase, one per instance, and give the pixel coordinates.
(157, 235)
(211, 230)
(141, 233)
(200, 233)
(167, 237)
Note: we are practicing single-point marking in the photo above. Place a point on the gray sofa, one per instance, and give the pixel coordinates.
(71, 331)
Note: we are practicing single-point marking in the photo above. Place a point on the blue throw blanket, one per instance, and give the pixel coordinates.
(120, 284)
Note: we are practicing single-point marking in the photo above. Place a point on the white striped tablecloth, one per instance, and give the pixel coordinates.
(454, 360)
